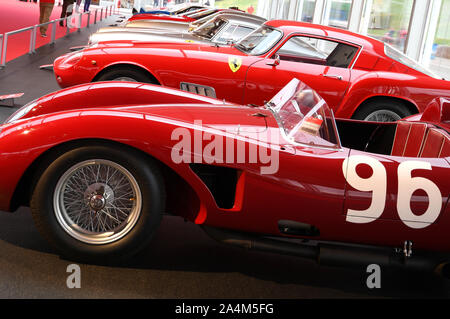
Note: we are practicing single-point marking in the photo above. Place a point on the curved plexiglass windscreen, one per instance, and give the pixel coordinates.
(304, 116)
(259, 41)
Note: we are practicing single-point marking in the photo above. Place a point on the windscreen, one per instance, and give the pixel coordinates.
(259, 41)
(304, 116)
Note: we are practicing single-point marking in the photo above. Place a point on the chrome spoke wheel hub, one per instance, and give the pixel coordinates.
(97, 201)
(125, 78)
(383, 116)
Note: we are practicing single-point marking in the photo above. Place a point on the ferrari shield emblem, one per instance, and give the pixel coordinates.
(234, 63)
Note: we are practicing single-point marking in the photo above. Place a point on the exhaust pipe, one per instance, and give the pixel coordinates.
(332, 254)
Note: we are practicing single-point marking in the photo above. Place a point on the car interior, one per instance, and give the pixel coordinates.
(406, 139)
(340, 57)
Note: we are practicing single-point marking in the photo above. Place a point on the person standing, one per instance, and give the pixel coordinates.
(87, 3)
(45, 8)
(64, 13)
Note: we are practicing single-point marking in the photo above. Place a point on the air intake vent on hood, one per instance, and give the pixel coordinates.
(198, 89)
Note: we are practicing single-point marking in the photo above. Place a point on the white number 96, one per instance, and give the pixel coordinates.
(407, 185)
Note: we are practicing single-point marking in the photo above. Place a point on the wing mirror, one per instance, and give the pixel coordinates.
(274, 61)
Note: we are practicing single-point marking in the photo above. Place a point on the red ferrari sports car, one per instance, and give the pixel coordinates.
(100, 163)
(359, 77)
(188, 17)
(185, 17)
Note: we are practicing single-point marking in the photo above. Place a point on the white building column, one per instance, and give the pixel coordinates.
(430, 32)
(262, 7)
(299, 10)
(360, 16)
(293, 5)
(419, 21)
(319, 12)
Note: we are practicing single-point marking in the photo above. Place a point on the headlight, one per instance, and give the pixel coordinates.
(71, 60)
(17, 115)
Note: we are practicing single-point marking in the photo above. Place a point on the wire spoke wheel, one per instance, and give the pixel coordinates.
(383, 116)
(125, 78)
(97, 201)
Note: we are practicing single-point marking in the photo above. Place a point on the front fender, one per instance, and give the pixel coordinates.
(112, 94)
(22, 143)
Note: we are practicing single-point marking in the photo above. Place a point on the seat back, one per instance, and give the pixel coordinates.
(408, 139)
(420, 140)
(436, 144)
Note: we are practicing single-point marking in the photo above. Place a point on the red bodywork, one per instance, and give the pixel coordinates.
(149, 16)
(309, 186)
(371, 74)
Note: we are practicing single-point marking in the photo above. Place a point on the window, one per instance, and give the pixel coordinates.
(339, 13)
(317, 51)
(402, 58)
(440, 57)
(308, 10)
(259, 41)
(234, 33)
(389, 21)
(209, 30)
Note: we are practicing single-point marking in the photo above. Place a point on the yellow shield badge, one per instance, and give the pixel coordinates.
(234, 63)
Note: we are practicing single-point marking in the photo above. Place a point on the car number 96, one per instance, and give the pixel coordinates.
(407, 185)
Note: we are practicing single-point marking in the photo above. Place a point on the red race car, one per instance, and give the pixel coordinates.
(100, 163)
(359, 77)
(184, 17)
(136, 20)
(173, 22)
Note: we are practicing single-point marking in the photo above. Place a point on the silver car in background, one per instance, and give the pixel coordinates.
(201, 17)
(224, 28)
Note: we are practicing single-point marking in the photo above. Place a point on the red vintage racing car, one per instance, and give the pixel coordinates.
(100, 163)
(140, 20)
(359, 77)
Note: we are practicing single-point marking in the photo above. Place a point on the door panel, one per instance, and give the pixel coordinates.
(413, 191)
(225, 73)
(264, 81)
(321, 63)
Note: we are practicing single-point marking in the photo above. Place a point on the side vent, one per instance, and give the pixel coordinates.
(290, 227)
(198, 89)
(221, 182)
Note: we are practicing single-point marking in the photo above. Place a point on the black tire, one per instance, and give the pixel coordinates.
(152, 200)
(391, 108)
(125, 72)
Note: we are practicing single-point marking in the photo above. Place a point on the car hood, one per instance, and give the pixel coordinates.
(154, 26)
(147, 35)
(230, 118)
(109, 47)
(110, 95)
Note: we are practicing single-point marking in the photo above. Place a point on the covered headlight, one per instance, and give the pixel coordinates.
(71, 59)
(17, 115)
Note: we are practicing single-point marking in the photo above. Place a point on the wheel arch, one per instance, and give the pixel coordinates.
(181, 198)
(131, 65)
(412, 107)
